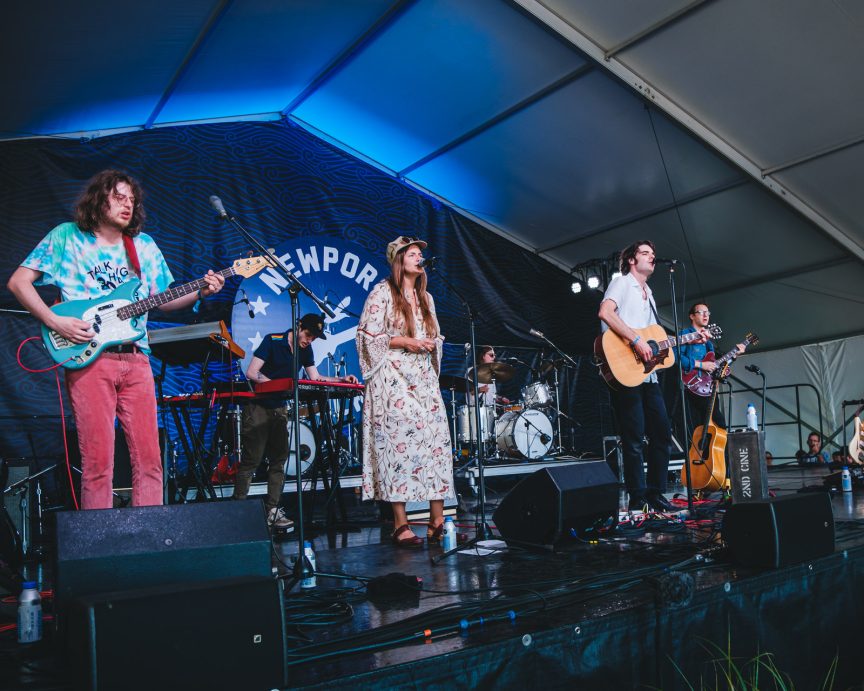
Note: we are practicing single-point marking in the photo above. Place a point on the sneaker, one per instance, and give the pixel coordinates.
(276, 518)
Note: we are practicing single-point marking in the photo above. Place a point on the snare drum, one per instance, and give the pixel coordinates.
(466, 425)
(523, 434)
(536, 395)
(308, 449)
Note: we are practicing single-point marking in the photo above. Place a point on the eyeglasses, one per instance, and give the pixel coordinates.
(121, 199)
(705, 312)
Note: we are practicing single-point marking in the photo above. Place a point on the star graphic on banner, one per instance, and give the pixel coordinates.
(259, 306)
(256, 340)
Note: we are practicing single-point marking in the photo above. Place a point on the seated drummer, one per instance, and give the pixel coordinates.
(488, 392)
(265, 422)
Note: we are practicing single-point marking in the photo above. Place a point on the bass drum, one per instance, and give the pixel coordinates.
(526, 434)
(308, 449)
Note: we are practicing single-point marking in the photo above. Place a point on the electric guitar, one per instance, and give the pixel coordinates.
(114, 317)
(699, 381)
(620, 364)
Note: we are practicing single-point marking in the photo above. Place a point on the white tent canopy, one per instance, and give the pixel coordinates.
(729, 132)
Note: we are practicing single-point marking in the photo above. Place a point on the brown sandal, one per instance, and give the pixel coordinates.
(412, 541)
(434, 533)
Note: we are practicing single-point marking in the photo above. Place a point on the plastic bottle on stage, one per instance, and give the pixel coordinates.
(751, 417)
(846, 479)
(310, 555)
(29, 614)
(448, 539)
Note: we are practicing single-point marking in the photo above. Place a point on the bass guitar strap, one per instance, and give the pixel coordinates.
(132, 253)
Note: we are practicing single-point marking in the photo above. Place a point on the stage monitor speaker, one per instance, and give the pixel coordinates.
(748, 472)
(105, 550)
(225, 634)
(544, 507)
(777, 532)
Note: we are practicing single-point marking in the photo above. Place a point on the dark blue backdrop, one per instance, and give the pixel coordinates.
(292, 191)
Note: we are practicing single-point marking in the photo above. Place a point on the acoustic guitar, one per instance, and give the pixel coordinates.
(114, 317)
(620, 364)
(707, 455)
(699, 381)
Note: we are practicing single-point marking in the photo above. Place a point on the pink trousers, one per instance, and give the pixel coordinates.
(116, 385)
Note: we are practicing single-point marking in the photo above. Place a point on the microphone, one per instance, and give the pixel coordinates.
(660, 260)
(216, 203)
(467, 348)
(534, 332)
(245, 298)
(545, 438)
(428, 262)
(754, 369)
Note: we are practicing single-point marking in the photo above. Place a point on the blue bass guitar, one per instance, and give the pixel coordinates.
(115, 317)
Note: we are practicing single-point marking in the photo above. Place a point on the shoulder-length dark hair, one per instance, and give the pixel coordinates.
(394, 280)
(93, 203)
(629, 253)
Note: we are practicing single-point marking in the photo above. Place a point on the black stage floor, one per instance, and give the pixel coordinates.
(654, 605)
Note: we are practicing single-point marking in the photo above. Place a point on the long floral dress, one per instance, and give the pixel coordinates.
(406, 439)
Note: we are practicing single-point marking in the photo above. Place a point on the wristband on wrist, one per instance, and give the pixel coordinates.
(635, 340)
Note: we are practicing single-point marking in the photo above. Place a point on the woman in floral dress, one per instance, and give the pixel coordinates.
(406, 439)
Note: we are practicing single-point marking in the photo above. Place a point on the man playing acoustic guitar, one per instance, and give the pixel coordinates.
(87, 260)
(628, 304)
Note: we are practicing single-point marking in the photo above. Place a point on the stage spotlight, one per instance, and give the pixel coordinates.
(576, 286)
(593, 282)
(615, 275)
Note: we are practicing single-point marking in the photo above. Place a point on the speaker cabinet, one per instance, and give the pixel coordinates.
(544, 507)
(777, 532)
(225, 634)
(105, 550)
(748, 472)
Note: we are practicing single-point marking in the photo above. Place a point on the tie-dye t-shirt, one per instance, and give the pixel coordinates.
(82, 269)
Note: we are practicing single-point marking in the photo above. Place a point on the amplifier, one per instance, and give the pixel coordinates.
(745, 460)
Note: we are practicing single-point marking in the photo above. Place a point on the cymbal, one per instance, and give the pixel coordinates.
(450, 381)
(500, 371)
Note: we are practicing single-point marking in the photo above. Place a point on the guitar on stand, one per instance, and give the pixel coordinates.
(620, 364)
(707, 455)
(856, 446)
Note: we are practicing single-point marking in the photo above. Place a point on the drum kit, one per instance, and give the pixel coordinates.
(518, 431)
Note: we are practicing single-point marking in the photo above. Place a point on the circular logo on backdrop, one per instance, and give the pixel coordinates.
(340, 272)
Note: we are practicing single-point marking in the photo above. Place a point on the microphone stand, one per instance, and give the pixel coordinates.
(685, 424)
(482, 529)
(302, 567)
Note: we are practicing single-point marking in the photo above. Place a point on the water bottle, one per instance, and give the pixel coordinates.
(448, 540)
(29, 614)
(846, 479)
(310, 555)
(751, 417)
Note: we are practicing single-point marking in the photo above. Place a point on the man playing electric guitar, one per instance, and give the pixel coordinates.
(86, 260)
(694, 356)
(628, 304)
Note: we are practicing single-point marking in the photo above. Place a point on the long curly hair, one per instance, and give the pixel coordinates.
(394, 280)
(93, 203)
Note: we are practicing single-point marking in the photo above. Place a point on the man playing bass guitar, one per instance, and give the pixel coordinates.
(628, 304)
(87, 260)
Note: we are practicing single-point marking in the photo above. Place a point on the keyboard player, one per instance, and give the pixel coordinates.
(265, 422)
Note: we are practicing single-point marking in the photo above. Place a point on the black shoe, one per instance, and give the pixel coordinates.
(660, 503)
